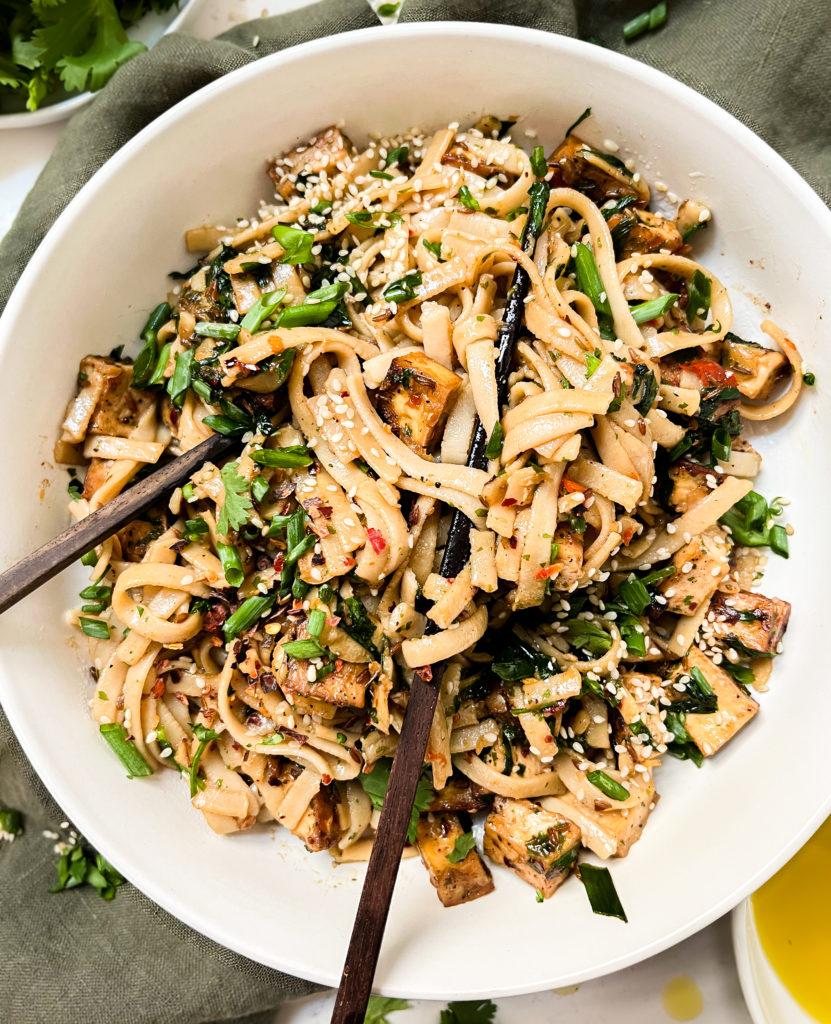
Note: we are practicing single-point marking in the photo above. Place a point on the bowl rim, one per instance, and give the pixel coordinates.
(194, 916)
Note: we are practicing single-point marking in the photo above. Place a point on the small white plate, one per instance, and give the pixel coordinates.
(768, 1001)
(149, 31)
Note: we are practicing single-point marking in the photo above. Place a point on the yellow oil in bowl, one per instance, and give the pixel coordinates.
(793, 919)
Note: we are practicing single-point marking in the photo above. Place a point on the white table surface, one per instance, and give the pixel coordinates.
(632, 996)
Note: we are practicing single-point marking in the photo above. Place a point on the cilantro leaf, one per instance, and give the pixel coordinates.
(110, 48)
(379, 1006)
(375, 786)
(461, 848)
(237, 502)
(473, 1011)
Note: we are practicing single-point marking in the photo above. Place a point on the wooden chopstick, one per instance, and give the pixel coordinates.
(382, 870)
(41, 565)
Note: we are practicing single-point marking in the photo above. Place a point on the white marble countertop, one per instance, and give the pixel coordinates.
(633, 996)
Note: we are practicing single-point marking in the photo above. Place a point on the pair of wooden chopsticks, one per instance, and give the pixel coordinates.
(382, 870)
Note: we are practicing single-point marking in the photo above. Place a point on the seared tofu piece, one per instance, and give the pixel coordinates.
(610, 832)
(96, 476)
(319, 828)
(105, 403)
(457, 883)
(415, 397)
(459, 794)
(345, 686)
(756, 368)
(572, 169)
(136, 536)
(700, 566)
(752, 621)
(643, 231)
(735, 707)
(570, 555)
(538, 845)
(689, 484)
(323, 152)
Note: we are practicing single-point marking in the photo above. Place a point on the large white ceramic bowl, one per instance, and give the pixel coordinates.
(717, 833)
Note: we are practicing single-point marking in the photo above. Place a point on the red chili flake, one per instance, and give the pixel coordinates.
(338, 664)
(572, 487)
(326, 779)
(512, 542)
(325, 511)
(547, 571)
(507, 502)
(376, 539)
(425, 673)
(709, 371)
(278, 562)
(158, 688)
(349, 561)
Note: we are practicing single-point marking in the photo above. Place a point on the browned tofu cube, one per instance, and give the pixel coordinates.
(735, 708)
(572, 169)
(689, 484)
(643, 231)
(323, 152)
(319, 828)
(105, 403)
(455, 883)
(570, 555)
(415, 396)
(699, 568)
(460, 794)
(538, 845)
(345, 686)
(751, 621)
(136, 536)
(756, 368)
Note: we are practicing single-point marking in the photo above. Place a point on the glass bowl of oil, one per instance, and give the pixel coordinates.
(782, 940)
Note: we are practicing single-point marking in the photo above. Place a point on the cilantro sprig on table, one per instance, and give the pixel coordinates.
(74, 45)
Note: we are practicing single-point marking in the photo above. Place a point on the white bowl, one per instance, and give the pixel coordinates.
(768, 1001)
(148, 30)
(713, 838)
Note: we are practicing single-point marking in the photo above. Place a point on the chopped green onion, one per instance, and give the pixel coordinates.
(539, 165)
(590, 283)
(194, 529)
(601, 891)
(225, 332)
(607, 785)
(96, 592)
(157, 319)
(125, 750)
(461, 848)
(778, 540)
(658, 575)
(538, 199)
(433, 247)
(318, 307)
(634, 595)
(251, 609)
(96, 628)
(296, 243)
(395, 156)
(809, 378)
(296, 552)
(304, 649)
(495, 441)
(741, 673)
(263, 308)
(586, 113)
(701, 680)
(157, 376)
(283, 458)
(90, 558)
(646, 22)
(231, 564)
(699, 291)
(278, 525)
(404, 289)
(467, 198)
(360, 217)
(325, 593)
(646, 311)
(202, 390)
(388, 10)
(317, 620)
(11, 821)
(381, 174)
(259, 488)
(179, 381)
(204, 736)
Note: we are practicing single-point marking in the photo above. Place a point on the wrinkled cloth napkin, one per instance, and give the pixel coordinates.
(73, 958)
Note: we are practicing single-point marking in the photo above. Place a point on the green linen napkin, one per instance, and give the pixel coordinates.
(72, 958)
